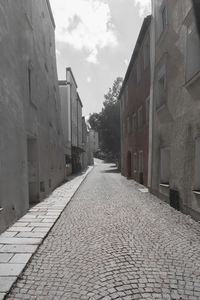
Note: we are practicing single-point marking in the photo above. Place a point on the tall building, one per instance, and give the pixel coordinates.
(174, 151)
(31, 138)
(71, 122)
(134, 109)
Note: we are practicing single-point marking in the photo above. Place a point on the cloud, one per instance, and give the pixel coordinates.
(85, 25)
(89, 79)
(144, 6)
(126, 61)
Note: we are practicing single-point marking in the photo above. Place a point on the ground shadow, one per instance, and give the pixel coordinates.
(111, 171)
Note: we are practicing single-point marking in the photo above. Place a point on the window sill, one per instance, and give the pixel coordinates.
(196, 192)
(192, 80)
(164, 185)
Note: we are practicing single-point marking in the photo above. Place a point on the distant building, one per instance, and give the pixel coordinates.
(71, 122)
(31, 143)
(95, 140)
(175, 104)
(84, 156)
(134, 109)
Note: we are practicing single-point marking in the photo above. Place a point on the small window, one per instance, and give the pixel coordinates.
(164, 165)
(161, 88)
(147, 110)
(141, 161)
(135, 162)
(146, 53)
(140, 121)
(197, 165)
(134, 122)
(163, 17)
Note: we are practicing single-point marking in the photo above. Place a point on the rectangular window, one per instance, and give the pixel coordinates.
(147, 110)
(128, 125)
(164, 166)
(146, 53)
(134, 122)
(135, 162)
(197, 165)
(141, 161)
(163, 17)
(140, 121)
(161, 88)
(192, 52)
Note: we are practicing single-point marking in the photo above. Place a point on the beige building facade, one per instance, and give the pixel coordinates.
(174, 131)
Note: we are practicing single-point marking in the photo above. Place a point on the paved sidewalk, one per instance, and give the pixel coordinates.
(19, 242)
(115, 240)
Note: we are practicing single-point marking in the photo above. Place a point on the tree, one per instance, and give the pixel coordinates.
(107, 122)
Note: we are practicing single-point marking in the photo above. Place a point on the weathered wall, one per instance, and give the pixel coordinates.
(30, 125)
(176, 124)
(133, 97)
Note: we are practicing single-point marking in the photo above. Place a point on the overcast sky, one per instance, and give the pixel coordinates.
(96, 39)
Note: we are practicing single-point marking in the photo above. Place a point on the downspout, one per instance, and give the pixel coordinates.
(152, 65)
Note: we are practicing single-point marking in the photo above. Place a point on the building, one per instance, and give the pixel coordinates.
(71, 122)
(31, 138)
(134, 109)
(84, 156)
(174, 151)
(95, 140)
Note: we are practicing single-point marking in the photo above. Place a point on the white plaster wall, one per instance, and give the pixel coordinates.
(27, 36)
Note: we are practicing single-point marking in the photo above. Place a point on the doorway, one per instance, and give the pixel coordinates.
(33, 183)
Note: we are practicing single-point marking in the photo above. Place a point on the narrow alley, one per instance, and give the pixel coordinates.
(115, 241)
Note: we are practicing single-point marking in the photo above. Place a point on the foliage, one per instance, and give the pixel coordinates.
(107, 122)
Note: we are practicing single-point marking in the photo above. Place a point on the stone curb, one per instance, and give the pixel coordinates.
(20, 241)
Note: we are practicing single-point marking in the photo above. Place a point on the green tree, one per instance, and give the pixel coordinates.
(107, 122)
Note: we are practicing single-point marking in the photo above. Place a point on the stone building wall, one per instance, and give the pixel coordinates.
(176, 106)
(31, 139)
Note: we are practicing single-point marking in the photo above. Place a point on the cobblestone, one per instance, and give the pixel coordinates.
(115, 242)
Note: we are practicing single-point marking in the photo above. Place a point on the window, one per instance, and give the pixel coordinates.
(193, 50)
(146, 53)
(134, 122)
(141, 161)
(164, 166)
(135, 162)
(140, 117)
(197, 165)
(138, 71)
(147, 110)
(161, 88)
(163, 18)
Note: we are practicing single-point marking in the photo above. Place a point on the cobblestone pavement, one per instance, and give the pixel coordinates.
(115, 242)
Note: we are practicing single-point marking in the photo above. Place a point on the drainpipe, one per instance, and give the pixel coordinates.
(152, 64)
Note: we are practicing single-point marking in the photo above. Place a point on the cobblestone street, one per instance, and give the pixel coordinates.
(115, 242)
